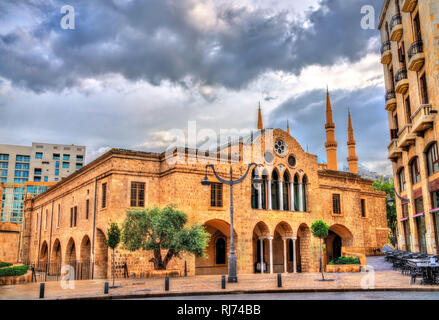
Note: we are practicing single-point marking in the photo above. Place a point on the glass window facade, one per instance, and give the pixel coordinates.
(66, 157)
(39, 155)
(21, 158)
(66, 165)
(56, 156)
(4, 156)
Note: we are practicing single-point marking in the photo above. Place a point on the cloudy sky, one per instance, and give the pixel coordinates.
(132, 70)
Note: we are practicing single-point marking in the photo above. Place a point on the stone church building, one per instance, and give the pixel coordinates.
(68, 223)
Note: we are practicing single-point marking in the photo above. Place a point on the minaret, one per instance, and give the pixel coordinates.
(260, 125)
(331, 144)
(352, 158)
(288, 127)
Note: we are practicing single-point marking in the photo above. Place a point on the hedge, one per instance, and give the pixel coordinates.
(345, 260)
(5, 264)
(13, 271)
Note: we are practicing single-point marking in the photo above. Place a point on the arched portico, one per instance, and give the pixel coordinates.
(303, 245)
(283, 256)
(218, 249)
(101, 255)
(84, 267)
(44, 256)
(262, 242)
(339, 236)
(55, 258)
(70, 256)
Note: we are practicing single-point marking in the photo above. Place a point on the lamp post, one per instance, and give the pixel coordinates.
(256, 181)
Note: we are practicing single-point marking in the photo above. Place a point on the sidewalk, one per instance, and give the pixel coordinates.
(204, 285)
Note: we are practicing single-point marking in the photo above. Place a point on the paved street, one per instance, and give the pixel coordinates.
(376, 295)
(294, 286)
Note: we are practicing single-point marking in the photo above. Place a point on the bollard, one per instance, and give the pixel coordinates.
(167, 284)
(185, 268)
(42, 286)
(106, 285)
(279, 280)
(223, 282)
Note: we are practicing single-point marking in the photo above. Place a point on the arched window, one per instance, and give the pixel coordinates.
(220, 251)
(402, 183)
(285, 191)
(414, 168)
(432, 159)
(264, 190)
(296, 192)
(304, 183)
(275, 190)
(255, 193)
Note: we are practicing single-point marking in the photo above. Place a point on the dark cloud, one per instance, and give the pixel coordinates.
(307, 118)
(155, 40)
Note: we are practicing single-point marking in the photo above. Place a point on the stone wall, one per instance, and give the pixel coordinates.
(9, 240)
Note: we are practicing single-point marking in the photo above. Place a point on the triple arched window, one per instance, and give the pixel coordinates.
(287, 194)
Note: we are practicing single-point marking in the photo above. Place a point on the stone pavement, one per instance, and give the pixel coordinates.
(382, 279)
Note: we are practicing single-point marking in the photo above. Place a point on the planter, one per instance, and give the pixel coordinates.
(343, 268)
(10, 280)
(157, 274)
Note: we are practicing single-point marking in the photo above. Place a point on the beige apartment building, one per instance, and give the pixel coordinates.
(410, 57)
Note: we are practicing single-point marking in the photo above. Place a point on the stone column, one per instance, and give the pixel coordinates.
(262, 254)
(294, 255)
(260, 196)
(430, 240)
(269, 194)
(285, 255)
(300, 197)
(291, 196)
(281, 196)
(270, 239)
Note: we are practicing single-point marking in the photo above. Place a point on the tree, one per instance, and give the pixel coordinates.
(320, 230)
(159, 229)
(113, 241)
(389, 189)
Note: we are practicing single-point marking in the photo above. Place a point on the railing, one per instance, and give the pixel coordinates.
(44, 271)
(385, 46)
(401, 75)
(423, 110)
(394, 134)
(390, 95)
(396, 20)
(415, 48)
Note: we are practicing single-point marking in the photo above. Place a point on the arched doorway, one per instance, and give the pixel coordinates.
(84, 267)
(282, 233)
(218, 249)
(101, 256)
(44, 256)
(261, 256)
(338, 237)
(70, 257)
(55, 259)
(303, 247)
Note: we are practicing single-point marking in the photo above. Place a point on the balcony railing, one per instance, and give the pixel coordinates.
(416, 55)
(396, 27)
(390, 100)
(386, 53)
(422, 118)
(401, 80)
(394, 150)
(406, 137)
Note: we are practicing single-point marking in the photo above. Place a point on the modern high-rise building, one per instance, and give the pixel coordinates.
(410, 57)
(31, 170)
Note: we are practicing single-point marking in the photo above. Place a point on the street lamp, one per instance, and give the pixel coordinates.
(390, 200)
(205, 183)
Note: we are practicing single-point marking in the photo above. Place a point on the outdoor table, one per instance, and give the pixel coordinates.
(429, 271)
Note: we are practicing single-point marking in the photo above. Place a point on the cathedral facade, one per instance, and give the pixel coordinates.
(68, 223)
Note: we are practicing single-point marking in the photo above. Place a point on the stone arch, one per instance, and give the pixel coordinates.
(101, 255)
(84, 268)
(261, 232)
(70, 255)
(280, 250)
(44, 256)
(338, 237)
(219, 231)
(303, 247)
(56, 258)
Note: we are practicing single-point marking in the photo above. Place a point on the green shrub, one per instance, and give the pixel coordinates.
(13, 271)
(5, 264)
(345, 260)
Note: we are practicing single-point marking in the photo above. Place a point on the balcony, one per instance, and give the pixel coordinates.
(396, 28)
(390, 100)
(422, 119)
(402, 83)
(409, 5)
(416, 56)
(406, 137)
(394, 151)
(386, 53)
